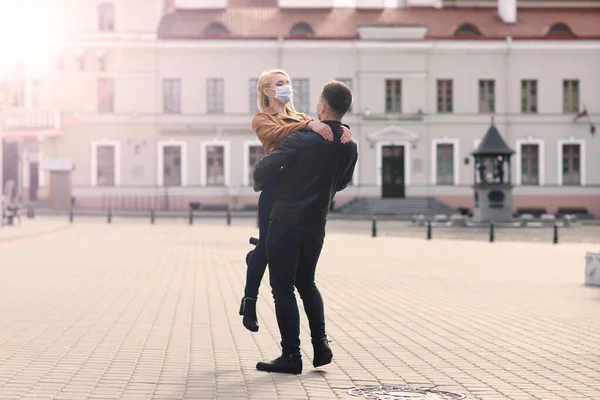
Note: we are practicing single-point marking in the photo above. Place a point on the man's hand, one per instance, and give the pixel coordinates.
(346, 135)
(322, 129)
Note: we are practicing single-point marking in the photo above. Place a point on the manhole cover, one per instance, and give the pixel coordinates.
(403, 392)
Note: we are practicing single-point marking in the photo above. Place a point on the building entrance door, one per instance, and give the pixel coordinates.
(10, 163)
(33, 181)
(60, 190)
(392, 171)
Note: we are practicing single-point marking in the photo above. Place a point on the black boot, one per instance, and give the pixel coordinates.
(322, 353)
(286, 364)
(248, 310)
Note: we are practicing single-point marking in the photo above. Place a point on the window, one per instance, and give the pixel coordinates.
(300, 88)
(347, 82)
(570, 96)
(214, 94)
(560, 30)
(255, 153)
(62, 62)
(80, 60)
(17, 95)
(529, 96)
(530, 174)
(105, 165)
(36, 93)
(467, 30)
(301, 29)
(106, 95)
(444, 95)
(106, 17)
(171, 96)
(393, 95)
(487, 96)
(216, 29)
(101, 58)
(571, 164)
(253, 96)
(445, 164)
(215, 165)
(172, 165)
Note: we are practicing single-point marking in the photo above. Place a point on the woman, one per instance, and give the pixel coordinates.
(276, 120)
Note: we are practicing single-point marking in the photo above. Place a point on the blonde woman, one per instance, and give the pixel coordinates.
(276, 120)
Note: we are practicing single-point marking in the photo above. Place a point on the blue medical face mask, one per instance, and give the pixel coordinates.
(283, 94)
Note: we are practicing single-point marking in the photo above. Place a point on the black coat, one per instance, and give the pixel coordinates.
(306, 171)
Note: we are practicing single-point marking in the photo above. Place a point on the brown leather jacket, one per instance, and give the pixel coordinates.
(271, 129)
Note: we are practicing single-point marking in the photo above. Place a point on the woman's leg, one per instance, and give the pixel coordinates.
(257, 262)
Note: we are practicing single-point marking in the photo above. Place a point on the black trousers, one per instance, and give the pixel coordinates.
(257, 263)
(293, 254)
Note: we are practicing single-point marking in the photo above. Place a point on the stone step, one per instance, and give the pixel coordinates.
(398, 207)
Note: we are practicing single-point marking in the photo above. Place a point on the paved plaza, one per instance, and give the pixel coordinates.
(138, 311)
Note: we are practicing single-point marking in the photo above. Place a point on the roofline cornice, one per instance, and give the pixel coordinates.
(430, 44)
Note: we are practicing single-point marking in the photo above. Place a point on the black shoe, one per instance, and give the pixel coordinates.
(248, 310)
(285, 364)
(322, 353)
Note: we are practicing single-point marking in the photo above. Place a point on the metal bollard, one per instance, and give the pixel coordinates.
(429, 230)
(374, 226)
(109, 216)
(491, 232)
(555, 239)
(228, 217)
(71, 215)
(191, 217)
(152, 217)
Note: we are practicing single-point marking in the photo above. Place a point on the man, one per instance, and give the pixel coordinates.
(309, 171)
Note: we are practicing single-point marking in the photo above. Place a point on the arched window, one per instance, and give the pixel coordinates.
(467, 29)
(301, 29)
(216, 29)
(106, 17)
(560, 29)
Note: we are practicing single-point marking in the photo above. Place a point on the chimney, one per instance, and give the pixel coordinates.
(507, 11)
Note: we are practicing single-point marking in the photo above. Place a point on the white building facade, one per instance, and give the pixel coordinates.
(149, 103)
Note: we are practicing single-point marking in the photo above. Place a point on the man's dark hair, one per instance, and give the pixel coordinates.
(338, 97)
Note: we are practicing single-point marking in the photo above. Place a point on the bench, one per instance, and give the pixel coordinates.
(9, 213)
(465, 211)
(197, 206)
(579, 212)
(536, 212)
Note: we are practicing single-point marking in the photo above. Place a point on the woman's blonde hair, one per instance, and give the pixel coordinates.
(264, 81)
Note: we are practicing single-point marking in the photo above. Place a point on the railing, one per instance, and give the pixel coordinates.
(25, 120)
(159, 198)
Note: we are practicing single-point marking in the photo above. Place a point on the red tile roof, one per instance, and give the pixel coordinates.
(342, 23)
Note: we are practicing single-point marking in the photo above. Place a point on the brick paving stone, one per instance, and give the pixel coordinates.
(133, 311)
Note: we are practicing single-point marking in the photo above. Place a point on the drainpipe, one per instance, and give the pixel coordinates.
(280, 52)
(427, 142)
(507, 94)
(1, 142)
(156, 122)
(358, 107)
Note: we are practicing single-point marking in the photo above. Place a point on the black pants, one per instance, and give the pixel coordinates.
(293, 254)
(257, 263)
